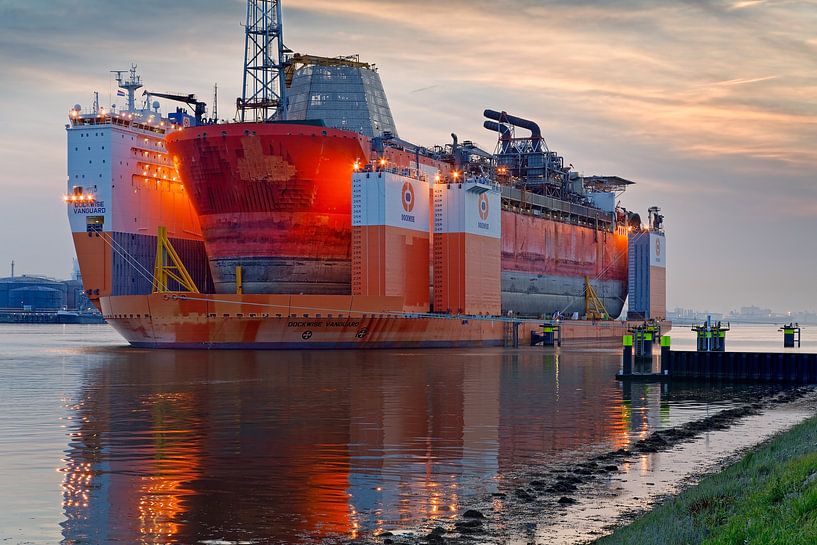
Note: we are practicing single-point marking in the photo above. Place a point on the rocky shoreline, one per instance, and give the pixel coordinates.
(488, 519)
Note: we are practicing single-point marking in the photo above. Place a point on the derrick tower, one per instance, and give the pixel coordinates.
(264, 90)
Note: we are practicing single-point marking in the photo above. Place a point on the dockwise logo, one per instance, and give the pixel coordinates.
(483, 207)
(408, 202)
(408, 197)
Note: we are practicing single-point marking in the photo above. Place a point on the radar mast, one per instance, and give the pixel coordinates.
(130, 85)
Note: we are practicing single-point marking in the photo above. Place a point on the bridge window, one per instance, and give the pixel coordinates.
(94, 224)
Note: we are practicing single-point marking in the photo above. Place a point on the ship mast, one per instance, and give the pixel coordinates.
(131, 85)
(264, 90)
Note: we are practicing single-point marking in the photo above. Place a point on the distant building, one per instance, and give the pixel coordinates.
(28, 292)
(692, 315)
(755, 312)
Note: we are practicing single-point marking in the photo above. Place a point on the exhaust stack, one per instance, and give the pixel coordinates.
(505, 117)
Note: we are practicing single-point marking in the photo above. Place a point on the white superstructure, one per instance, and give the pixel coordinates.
(122, 185)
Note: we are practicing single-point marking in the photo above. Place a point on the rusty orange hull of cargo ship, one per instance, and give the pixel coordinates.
(276, 199)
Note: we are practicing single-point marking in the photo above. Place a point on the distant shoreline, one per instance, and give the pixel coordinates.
(50, 317)
(684, 321)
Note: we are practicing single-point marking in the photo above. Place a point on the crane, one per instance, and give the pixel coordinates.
(198, 106)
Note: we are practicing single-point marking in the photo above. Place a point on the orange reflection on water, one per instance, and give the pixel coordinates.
(171, 460)
(180, 447)
(327, 508)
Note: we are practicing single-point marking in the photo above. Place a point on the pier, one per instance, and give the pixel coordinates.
(795, 367)
(710, 362)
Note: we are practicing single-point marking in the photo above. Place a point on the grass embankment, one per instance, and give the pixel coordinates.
(768, 497)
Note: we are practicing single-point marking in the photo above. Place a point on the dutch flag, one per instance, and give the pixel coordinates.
(121, 93)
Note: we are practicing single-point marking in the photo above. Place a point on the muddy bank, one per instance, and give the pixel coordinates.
(764, 497)
(521, 513)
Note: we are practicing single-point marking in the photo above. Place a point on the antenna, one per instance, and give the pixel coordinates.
(264, 88)
(12, 268)
(215, 102)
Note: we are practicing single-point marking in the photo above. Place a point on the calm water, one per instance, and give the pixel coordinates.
(100, 443)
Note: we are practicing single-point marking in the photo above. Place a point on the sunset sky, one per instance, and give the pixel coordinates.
(710, 106)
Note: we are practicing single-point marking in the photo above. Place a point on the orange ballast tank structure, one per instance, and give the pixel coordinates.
(467, 250)
(390, 237)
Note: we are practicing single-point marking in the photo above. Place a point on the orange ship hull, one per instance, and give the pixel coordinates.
(312, 322)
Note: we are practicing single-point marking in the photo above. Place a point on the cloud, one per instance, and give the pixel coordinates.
(746, 4)
(743, 81)
(649, 68)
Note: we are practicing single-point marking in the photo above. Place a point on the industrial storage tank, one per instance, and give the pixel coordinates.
(32, 292)
(38, 297)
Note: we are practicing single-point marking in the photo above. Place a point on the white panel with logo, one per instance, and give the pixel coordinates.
(385, 198)
(658, 250)
(466, 208)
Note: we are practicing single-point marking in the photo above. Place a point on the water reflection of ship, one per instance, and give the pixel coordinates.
(555, 405)
(185, 446)
(126, 478)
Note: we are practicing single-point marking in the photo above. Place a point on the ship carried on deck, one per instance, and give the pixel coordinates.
(309, 222)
